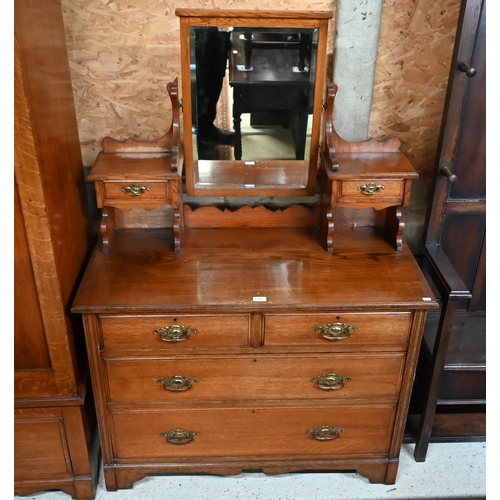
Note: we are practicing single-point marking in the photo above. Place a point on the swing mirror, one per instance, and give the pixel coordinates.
(252, 91)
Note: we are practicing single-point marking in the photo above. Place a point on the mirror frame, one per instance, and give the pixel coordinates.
(252, 19)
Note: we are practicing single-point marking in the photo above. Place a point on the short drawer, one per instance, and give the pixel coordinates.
(175, 333)
(135, 191)
(370, 191)
(338, 330)
(252, 432)
(334, 378)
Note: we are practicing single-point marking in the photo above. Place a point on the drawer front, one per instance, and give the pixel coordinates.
(114, 191)
(338, 330)
(334, 378)
(251, 432)
(40, 447)
(175, 333)
(371, 191)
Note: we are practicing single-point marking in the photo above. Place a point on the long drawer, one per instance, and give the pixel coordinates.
(338, 330)
(332, 377)
(175, 333)
(252, 432)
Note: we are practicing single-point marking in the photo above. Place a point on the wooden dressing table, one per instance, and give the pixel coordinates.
(267, 341)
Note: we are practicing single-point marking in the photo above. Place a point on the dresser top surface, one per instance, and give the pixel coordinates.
(250, 269)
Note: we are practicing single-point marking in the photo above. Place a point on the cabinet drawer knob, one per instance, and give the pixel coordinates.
(174, 333)
(325, 433)
(135, 189)
(371, 188)
(336, 331)
(177, 383)
(179, 436)
(330, 381)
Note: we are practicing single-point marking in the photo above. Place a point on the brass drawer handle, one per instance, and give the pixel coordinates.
(177, 383)
(336, 331)
(331, 381)
(325, 433)
(370, 188)
(174, 333)
(135, 189)
(179, 436)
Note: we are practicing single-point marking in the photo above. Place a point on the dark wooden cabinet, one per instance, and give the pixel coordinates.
(54, 426)
(451, 377)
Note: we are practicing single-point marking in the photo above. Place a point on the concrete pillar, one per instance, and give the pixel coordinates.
(355, 54)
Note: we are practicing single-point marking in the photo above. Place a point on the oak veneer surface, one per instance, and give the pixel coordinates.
(386, 165)
(124, 166)
(268, 431)
(243, 378)
(53, 447)
(227, 268)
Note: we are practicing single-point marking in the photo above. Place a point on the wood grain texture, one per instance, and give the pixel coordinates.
(246, 216)
(250, 249)
(226, 268)
(130, 331)
(373, 378)
(137, 189)
(30, 351)
(256, 298)
(267, 16)
(378, 330)
(52, 450)
(269, 432)
(53, 431)
(47, 156)
(124, 476)
(377, 185)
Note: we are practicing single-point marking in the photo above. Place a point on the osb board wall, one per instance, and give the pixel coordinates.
(411, 75)
(124, 52)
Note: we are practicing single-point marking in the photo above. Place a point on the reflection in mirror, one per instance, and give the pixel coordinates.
(252, 92)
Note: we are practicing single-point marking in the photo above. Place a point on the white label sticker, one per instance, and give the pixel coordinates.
(426, 298)
(249, 186)
(260, 299)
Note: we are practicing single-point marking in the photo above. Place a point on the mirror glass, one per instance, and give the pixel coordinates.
(252, 93)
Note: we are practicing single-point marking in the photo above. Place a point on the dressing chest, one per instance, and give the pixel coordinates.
(256, 338)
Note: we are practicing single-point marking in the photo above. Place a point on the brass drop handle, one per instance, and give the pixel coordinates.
(177, 383)
(336, 331)
(179, 436)
(371, 188)
(464, 67)
(325, 433)
(135, 189)
(444, 170)
(174, 333)
(331, 381)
